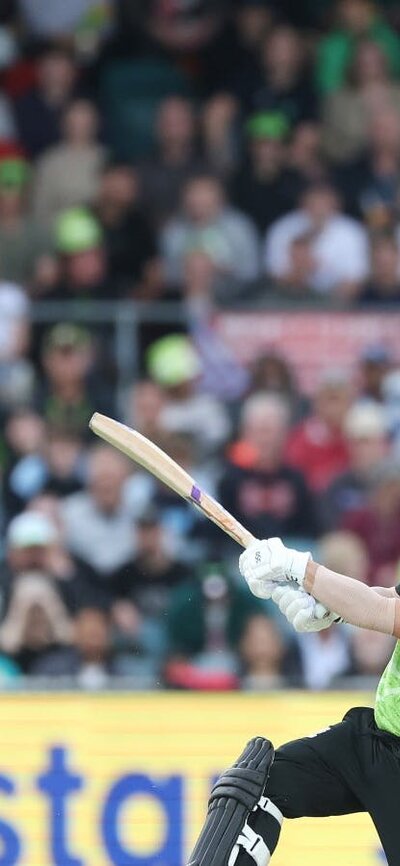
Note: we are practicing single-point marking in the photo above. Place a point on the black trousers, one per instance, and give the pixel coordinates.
(351, 767)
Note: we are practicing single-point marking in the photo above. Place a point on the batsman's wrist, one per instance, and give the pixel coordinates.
(297, 566)
(309, 576)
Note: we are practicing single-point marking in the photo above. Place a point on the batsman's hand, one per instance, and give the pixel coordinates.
(303, 612)
(270, 561)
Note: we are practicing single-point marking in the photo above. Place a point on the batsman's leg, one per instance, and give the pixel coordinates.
(249, 801)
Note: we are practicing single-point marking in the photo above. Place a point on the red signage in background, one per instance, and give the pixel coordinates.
(312, 342)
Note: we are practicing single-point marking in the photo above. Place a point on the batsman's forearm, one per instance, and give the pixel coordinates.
(357, 603)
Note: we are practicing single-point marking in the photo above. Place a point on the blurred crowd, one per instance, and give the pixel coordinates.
(214, 154)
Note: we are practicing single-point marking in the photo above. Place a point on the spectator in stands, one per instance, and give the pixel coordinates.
(377, 523)
(366, 431)
(209, 224)
(128, 237)
(339, 244)
(81, 269)
(317, 446)
(108, 538)
(264, 188)
(23, 442)
(370, 185)
(16, 372)
(272, 373)
(36, 621)
(206, 619)
(141, 591)
(266, 494)
(383, 285)
(38, 112)
(305, 154)
(145, 406)
(175, 161)
(374, 364)
(23, 241)
(356, 19)
(287, 85)
(68, 397)
(174, 364)
(348, 112)
(68, 174)
(261, 652)
(56, 468)
(34, 543)
(29, 541)
(90, 659)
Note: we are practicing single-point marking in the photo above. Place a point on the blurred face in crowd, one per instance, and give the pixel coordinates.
(320, 203)
(369, 64)
(372, 374)
(366, 451)
(265, 427)
(267, 155)
(175, 124)
(107, 473)
(65, 365)
(147, 403)
(384, 132)
(203, 200)
(283, 53)
(63, 450)
(118, 188)
(80, 123)
(92, 635)
(385, 262)
(305, 147)
(86, 269)
(25, 432)
(332, 402)
(271, 373)
(345, 553)
(252, 23)
(150, 540)
(261, 646)
(355, 15)
(56, 75)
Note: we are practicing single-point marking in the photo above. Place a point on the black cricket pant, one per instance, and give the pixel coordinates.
(351, 767)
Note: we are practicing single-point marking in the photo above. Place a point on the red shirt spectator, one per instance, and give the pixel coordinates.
(317, 446)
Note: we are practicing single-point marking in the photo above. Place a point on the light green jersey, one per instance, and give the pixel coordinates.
(387, 704)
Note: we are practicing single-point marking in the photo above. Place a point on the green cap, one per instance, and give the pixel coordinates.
(268, 124)
(14, 173)
(172, 360)
(76, 231)
(66, 336)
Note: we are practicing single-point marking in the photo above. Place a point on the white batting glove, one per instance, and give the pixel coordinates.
(269, 560)
(303, 612)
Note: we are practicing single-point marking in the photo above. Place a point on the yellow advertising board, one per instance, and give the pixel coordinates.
(123, 780)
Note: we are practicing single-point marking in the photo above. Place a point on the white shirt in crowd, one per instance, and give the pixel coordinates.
(340, 249)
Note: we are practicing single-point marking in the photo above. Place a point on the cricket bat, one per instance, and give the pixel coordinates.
(151, 457)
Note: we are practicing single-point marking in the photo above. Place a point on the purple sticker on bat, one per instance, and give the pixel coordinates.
(195, 493)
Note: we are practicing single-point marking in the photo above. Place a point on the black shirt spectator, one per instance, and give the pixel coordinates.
(263, 187)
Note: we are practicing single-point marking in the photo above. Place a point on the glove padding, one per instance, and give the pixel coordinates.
(303, 612)
(269, 561)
